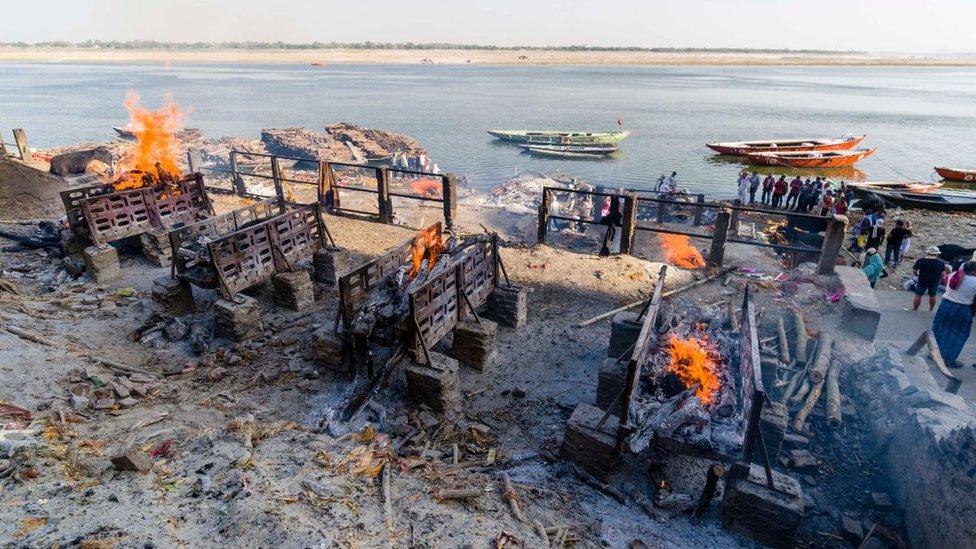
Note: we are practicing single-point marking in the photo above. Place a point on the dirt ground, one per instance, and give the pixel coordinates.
(237, 451)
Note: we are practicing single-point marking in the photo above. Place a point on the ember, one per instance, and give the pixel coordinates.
(693, 360)
(678, 251)
(426, 187)
(428, 244)
(153, 156)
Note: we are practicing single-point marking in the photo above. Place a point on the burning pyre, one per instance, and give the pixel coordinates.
(153, 157)
(696, 363)
(679, 252)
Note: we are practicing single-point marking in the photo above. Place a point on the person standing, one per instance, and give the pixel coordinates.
(767, 186)
(929, 270)
(895, 240)
(826, 203)
(954, 320)
(840, 204)
(743, 188)
(907, 243)
(877, 234)
(753, 187)
(873, 267)
(662, 183)
(795, 187)
(779, 191)
(673, 182)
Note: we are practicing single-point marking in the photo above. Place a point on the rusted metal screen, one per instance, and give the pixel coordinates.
(435, 305)
(72, 203)
(190, 204)
(642, 348)
(296, 234)
(477, 274)
(750, 366)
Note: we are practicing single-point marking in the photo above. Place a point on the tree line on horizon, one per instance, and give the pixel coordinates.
(154, 45)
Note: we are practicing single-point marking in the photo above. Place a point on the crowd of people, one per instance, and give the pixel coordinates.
(797, 194)
(414, 163)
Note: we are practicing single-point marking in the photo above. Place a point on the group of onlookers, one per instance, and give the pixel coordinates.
(797, 195)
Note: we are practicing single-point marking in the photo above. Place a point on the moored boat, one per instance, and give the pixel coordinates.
(863, 188)
(810, 159)
(955, 174)
(568, 152)
(591, 149)
(124, 133)
(545, 137)
(740, 148)
(940, 200)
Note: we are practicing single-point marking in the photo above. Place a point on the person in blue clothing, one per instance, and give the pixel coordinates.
(873, 266)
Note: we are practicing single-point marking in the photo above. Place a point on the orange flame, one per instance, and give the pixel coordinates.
(427, 244)
(426, 187)
(679, 252)
(155, 151)
(694, 361)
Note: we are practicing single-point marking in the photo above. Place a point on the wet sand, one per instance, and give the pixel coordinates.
(460, 57)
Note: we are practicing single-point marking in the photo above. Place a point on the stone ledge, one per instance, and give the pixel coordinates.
(861, 310)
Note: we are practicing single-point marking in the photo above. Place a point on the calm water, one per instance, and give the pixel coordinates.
(916, 117)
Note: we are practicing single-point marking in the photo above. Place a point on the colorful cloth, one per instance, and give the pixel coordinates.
(951, 326)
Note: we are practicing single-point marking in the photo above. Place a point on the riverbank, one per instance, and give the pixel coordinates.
(461, 57)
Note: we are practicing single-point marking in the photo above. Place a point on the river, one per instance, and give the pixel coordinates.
(916, 117)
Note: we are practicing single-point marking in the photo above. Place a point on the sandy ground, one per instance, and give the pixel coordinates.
(456, 57)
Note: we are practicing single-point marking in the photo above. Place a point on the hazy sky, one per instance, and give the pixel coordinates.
(873, 25)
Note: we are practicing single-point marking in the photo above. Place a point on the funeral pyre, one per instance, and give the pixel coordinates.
(688, 397)
(153, 157)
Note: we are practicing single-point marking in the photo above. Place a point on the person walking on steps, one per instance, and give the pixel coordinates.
(929, 271)
(954, 320)
(873, 267)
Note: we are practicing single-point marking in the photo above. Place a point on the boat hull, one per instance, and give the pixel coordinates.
(835, 161)
(907, 200)
(952, 174)
(560, 138)
(572, 155)
(747, 147)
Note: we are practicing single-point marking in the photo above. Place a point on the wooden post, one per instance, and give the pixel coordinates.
(449, 192)
(734, 223)
(699, 209)
(194, 160)
(544, 216)
(384, 205)
(21, 139)
(629, 224)
(720, 236)
(239, 186)
(832, 243)
(660, 212)
(276, 177)
(715, 471)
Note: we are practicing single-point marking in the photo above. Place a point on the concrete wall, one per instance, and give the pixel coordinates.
(929, 442)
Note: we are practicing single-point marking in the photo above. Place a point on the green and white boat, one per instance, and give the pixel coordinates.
(544, 137)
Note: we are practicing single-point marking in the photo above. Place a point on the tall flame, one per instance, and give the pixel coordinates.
(155, 150)
(695, 362)
(426, 187)
(427, 244)
(679, 252)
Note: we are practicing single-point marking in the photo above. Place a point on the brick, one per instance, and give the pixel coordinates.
(610, 382)
(293, 290)
(435, 385)
(508, 305)
(133, 459)
(329, 349)
(174, 294)
(102, 263)
(594, 449)
(239, 319)
(474, 343)
(624, 329)
(751, 507)
(328, 263)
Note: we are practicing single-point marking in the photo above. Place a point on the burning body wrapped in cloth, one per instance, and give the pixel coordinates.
(688, 396)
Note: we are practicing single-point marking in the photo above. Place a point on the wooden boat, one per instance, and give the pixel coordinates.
(863, 188)
(954, 174)
(941, 200)
(591, 149)
(810, 159)
(568, 152)
(124, 133)
(560, 138)
(740, 148)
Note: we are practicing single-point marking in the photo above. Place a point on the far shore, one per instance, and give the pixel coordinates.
(462, 57)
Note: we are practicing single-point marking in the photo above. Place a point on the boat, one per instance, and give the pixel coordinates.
(940, 200)
(591, 149)
(560, 138)
(568, 152)
(810, 159)
(954, 174)
(863, 188)
(740, 148)
(124, 133)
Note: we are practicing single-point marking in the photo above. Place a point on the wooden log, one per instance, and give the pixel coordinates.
(601, 486)
(792, 385)
(801, 391)
(541, 530)
(733, 317)
(715, 472)
(822, 362)
(800, 350)
(387, 497)
(812, 398)
(462, 493)
(832, 402)
(784, 345)
(512, 497)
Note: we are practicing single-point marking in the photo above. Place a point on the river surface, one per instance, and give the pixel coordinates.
(916, 117)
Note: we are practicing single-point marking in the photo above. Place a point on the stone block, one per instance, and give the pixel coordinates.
(174, 294)
(624, 329)
(102, 263)
(593, 449)
(474, 343)
(772, 423)
(239, 319)
(610, 382)
(156, 247)
(435, 384)
(328, 264)
(132, 459)
(861, 312)
(72, 243)
(751, 507)
(293, 290)
(508, 305)
(329, 349)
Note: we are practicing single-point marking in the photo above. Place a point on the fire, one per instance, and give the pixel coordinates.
(426, 187)
(427, 244)
(153, 156)
(679, 252)
(694, 361)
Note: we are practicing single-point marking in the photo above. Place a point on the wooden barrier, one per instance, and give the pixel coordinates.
(753, 393)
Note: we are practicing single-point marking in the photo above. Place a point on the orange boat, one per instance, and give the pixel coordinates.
(741, 148)
(810, 159)
(953, 174)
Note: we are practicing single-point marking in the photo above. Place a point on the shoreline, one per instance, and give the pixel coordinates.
(327, 57)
